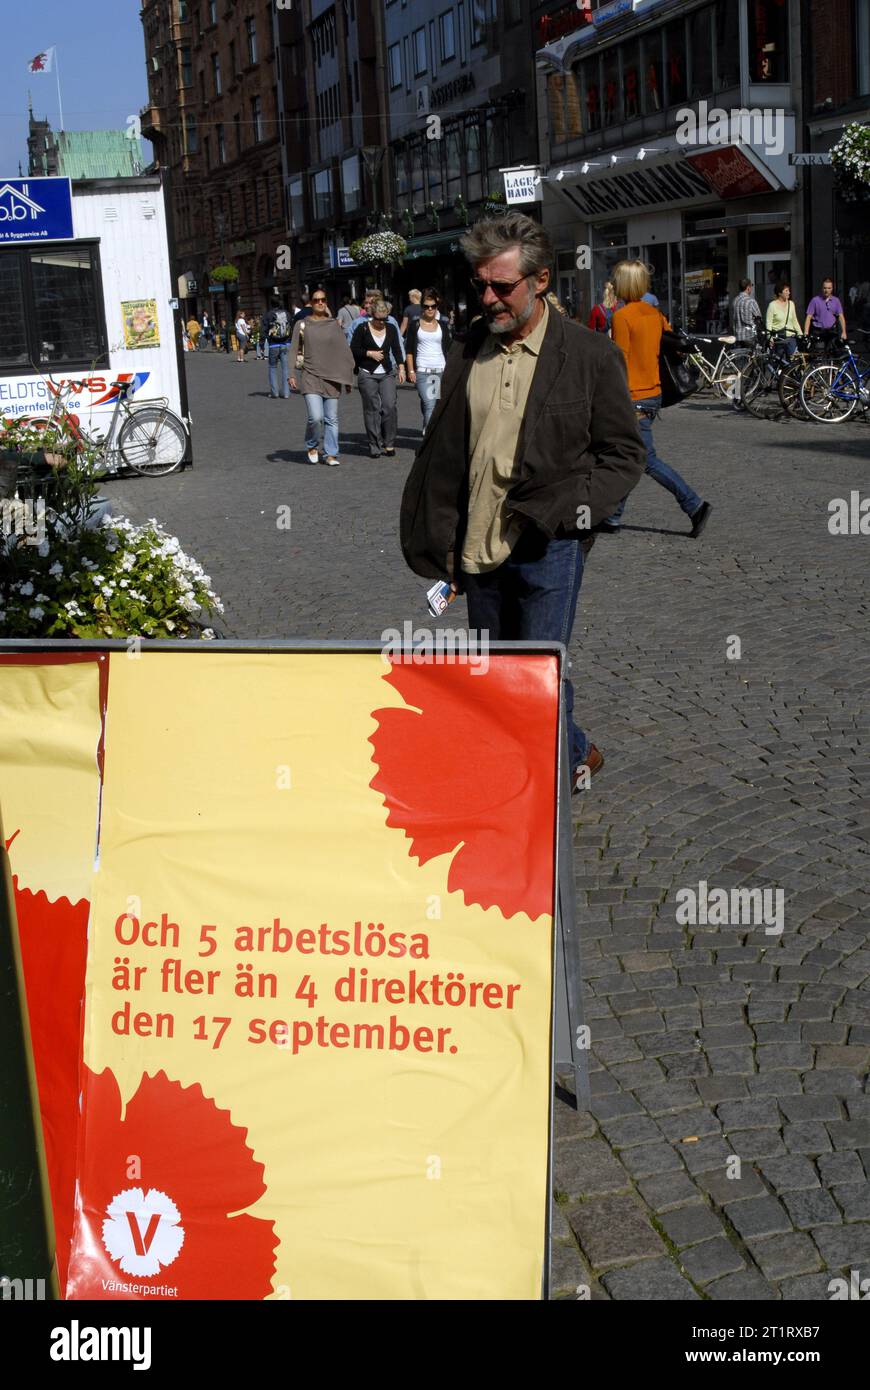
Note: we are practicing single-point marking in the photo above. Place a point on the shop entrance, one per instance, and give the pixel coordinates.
(764, 272)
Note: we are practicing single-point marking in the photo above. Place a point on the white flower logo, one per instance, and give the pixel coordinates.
(143, 1232)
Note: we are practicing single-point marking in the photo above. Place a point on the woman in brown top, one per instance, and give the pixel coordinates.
(323, 364)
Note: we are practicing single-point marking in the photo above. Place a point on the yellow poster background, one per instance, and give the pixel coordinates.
(237, 791)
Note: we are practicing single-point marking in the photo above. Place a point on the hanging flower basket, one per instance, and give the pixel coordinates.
(850, 158)
(224, 275)
(381, 248)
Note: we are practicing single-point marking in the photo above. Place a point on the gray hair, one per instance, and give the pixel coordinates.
(493, 235)
(380, 309)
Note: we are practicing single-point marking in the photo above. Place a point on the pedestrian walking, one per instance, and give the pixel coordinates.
(745, 313)
(207, 331)
(637, 331)
(602, 313)
(323, 367)
(370, 298)
(348, 313)
(193, 331)
(243, 333)
(426, 346)
(782, 318)
(411, 311)
(277, 333)
(531, 446)
(379, 355)
(257, 338)
(824, 312)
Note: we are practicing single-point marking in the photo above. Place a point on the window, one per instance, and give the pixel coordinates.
(454, 166)
(472, 161)
(675, 51)
(556, 107)
(631, 86)
(434, 178)
(351, 183)
(863, 46)
(216, 73)
(513, 12)
(496, 148)
(727, 45)
(65, 325)
(13, 333)
(652, 72)
(182, 11)
(192, 135)
(419, 42)
(237, 122)
(321, 194)
(478, 21)
(448, 38)
(400, 174)
(186, 69)
(394, 54)
(418, 197)
(591, 74)
(612, 93)
(701, 50)
(257, 118)
(221, 145)
(296, 205)
(251, 38)
(212, 11)
(768, 41)
(573, 108)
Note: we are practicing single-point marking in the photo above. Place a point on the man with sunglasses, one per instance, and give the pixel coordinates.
(533, 443)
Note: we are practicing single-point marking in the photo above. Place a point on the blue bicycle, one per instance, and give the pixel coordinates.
(831, 392)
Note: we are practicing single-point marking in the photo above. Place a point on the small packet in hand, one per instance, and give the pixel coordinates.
(439, 596)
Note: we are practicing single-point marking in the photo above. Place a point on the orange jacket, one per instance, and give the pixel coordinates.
(637, 329)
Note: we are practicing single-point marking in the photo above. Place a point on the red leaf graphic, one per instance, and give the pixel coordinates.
(53, 938)
(470, 766)
(190, 1153)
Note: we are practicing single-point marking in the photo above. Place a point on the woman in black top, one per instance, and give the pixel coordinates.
(377, 353)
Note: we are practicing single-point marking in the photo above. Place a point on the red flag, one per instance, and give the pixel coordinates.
(43, 62)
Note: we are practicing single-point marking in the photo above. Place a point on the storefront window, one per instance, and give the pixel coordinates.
(863, 47)
(351, 184)
(612, 94)
(705, 283)
(768, 40)
(727, 45)
(573, 107)
(418, 198)
(13, 338)
(321, 194)
(434, 177)
(675, 52)
(65, 301)
(652, 66)
(496, 149)
(592, 93)
(296, 205)
(701, 50)
(454, 166)
(556, 107)
(472, 161)
(631, 83)
(400, 174)
(609, 246)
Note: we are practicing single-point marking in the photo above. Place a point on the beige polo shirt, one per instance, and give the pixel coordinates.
(497, 391)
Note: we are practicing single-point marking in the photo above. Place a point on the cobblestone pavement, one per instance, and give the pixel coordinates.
(709, 1043)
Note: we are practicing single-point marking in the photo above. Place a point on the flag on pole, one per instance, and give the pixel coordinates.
(43, 62)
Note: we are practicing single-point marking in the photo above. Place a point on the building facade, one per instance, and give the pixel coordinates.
(667, 129)
(213, 119)
(82, 154)
(837, 78)
(461, 91)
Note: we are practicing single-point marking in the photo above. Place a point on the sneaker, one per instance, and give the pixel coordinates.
(390, 453)
(333, 463)
(583, 774)
(313, 456)
(610, 528)
(699, 519)
(373, 455)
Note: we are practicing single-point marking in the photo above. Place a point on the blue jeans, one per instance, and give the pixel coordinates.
(322, 420)
(655, 467)
(533, 597)
(278, 382)
(429, 391)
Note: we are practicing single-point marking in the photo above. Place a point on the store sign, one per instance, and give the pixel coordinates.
(729, 173)
(519, 186)
(568, 21)
(341, 259)
(801, 160)
(450, 90)
(35, 210)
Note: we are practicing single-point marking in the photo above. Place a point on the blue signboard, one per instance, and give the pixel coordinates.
(340, 258)
(35, 210)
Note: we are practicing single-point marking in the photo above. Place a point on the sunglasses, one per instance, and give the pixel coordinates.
(318, 301)
(499, 287)
(430, 306)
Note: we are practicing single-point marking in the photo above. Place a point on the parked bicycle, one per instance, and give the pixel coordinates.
(763, 372)
(148, 438)
(832, 391)
(721, 375)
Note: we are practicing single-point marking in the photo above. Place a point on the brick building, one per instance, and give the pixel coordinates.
(837, 82)
(213, 120)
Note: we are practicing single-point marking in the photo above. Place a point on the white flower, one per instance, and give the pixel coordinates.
(56, 570)
(124, 583)
(25, 589)
(36, 612)
(43, 549)
(88, 564)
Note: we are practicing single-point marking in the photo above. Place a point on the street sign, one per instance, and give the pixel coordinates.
(520, 186)
(341, 259)
(801, 159)
(35, 210)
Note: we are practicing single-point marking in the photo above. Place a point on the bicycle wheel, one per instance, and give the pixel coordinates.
(755, 386)
(828, 393)
(790, 391)
(733, 365)
(152, 441)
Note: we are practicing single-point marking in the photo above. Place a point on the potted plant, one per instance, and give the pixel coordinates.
(850, 158)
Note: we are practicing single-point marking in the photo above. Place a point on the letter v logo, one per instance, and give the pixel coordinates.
(142, 1244)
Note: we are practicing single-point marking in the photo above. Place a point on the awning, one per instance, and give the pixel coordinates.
(438, 244)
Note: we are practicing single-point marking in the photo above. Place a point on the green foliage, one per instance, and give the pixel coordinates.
(224, 274)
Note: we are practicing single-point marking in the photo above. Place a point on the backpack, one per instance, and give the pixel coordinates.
(279, 329)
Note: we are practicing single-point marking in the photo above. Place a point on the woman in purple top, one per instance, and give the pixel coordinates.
(824, 311)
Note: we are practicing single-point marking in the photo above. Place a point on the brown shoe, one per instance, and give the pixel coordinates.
(584, 773)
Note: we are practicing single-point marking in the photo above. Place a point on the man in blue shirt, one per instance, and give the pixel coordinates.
(370, 297)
